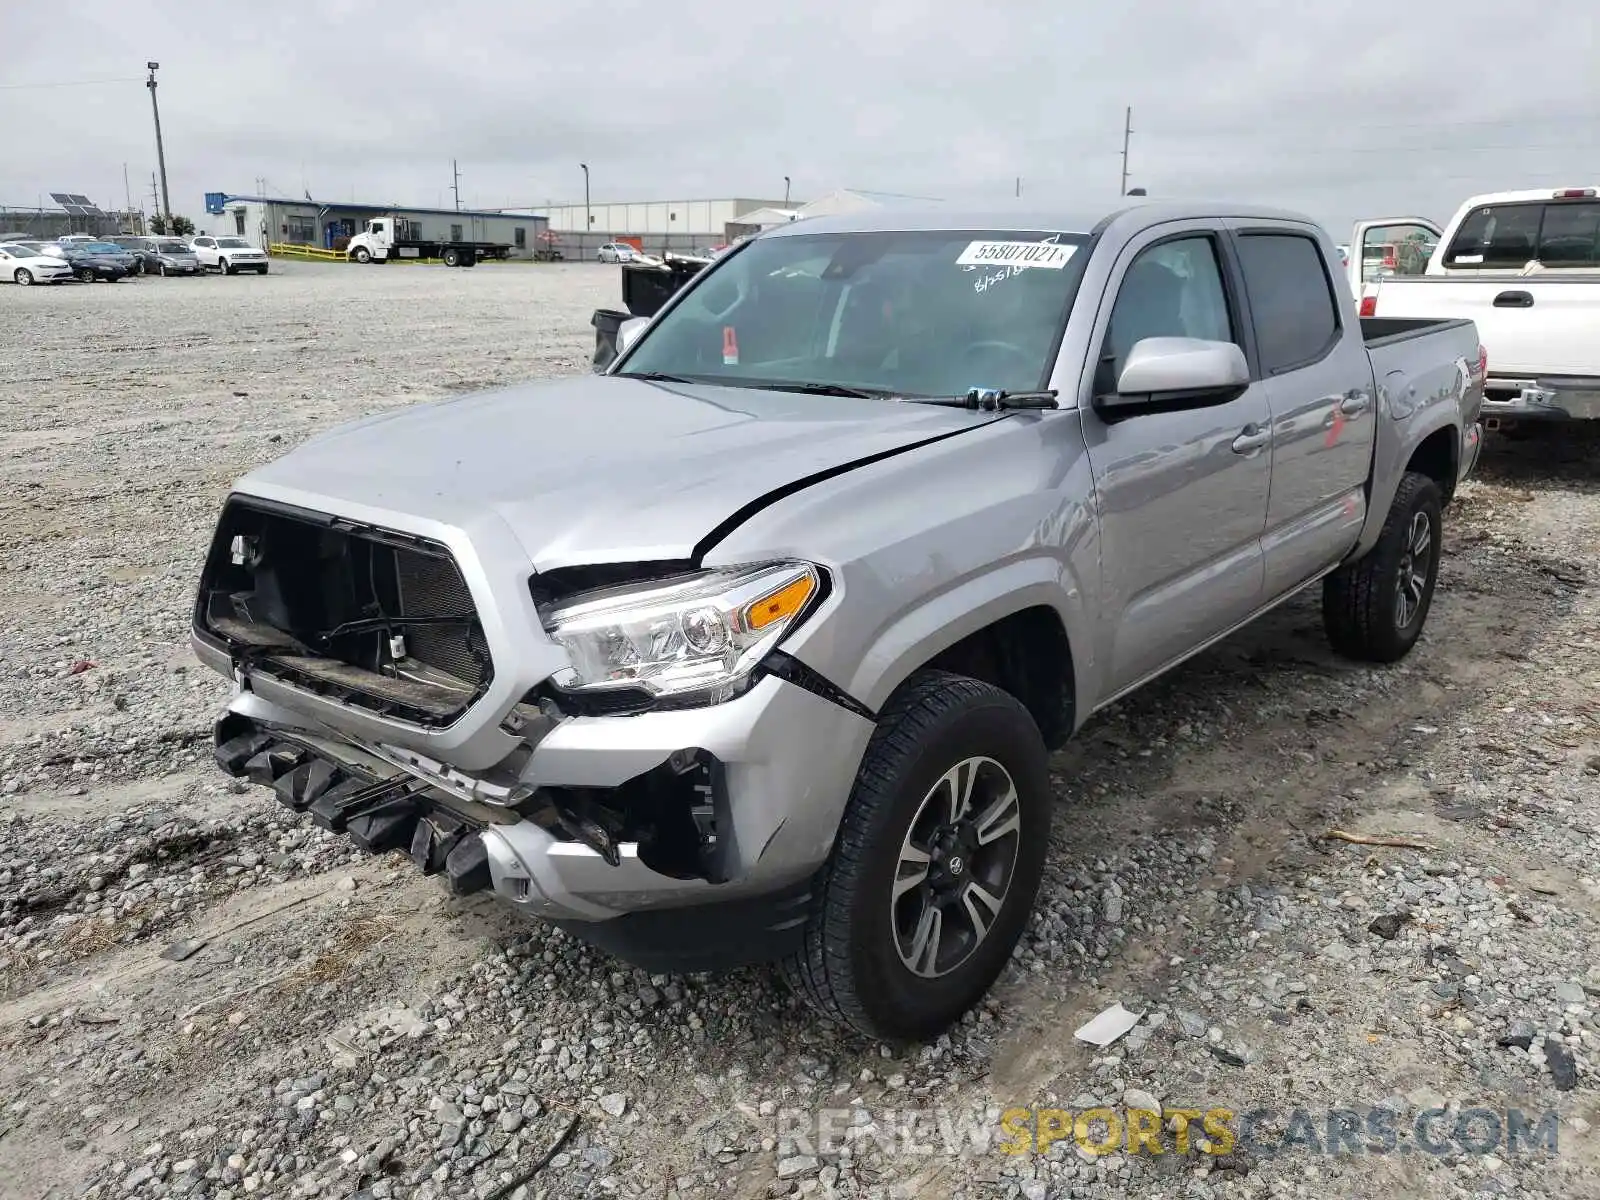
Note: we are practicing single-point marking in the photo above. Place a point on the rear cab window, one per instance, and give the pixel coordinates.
(1555, 233)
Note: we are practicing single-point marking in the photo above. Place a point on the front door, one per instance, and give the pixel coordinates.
(1182, 496)
(1389, 246)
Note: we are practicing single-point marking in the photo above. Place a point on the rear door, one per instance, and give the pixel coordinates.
(1320, 388)
(1386, 247)
(1182, 496)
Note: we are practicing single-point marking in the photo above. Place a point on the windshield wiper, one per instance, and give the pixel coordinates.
(655, 377)
(989, 400)
(819, 389)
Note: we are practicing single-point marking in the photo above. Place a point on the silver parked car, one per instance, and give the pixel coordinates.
(755, 646)
(173, 257)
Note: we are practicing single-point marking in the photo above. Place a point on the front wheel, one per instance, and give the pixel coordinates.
(1373, 609)
(24, 276)
(936, 864)
(362, 255)
(225, 266)
(86, 275)
(261, 271)
(138, 266)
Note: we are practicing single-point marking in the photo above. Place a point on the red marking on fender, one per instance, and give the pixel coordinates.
(1336, 428)
(1350, 506)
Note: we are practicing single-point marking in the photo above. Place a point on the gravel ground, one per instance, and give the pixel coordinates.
(345, 1029)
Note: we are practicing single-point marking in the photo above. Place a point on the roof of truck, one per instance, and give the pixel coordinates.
(1067, 219)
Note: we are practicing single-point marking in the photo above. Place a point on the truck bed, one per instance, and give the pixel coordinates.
(1386, 331)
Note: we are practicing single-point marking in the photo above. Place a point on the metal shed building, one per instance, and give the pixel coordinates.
(267, 220)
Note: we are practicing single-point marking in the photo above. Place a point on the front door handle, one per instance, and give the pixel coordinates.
(1354, 403)
(1514, 300)
(1251, 439)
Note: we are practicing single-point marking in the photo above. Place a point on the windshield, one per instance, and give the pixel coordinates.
(233, 243)
(921, 313)
(20, 251)
(173, 248)
(100, 247)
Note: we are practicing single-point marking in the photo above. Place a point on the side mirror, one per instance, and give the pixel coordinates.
(1173, 372)
(628, 332)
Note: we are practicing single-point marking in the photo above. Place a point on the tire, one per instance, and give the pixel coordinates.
(225, 266)
(138, 266)
(1373, 609)
(261, 271)
(853, 966)
(362, 255)
(86, 275)
(451, 258)
(161, 269)
(24, 277)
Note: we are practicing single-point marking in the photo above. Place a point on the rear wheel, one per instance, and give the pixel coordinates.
(24, 276)
(936, 864)
(1374, 608)
(451, 258)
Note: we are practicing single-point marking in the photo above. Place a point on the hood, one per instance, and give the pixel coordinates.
(598, 468)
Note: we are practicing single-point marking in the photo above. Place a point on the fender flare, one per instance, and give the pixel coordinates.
(945, 618)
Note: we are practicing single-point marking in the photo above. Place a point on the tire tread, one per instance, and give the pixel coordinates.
(821, 970)
(1356, 615)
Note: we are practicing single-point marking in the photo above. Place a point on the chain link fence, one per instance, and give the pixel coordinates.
(53, 223)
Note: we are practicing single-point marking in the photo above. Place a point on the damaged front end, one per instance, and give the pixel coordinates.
(375, 698)
(368, 617)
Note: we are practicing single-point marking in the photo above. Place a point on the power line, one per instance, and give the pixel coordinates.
(69, 83)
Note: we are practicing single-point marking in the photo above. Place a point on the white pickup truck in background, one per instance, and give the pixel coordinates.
(1524, 267)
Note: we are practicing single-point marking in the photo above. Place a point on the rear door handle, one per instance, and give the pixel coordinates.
(1251, 439)
(1514, 300)
(1353, 404)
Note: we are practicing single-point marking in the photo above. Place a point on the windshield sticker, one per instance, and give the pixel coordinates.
(969, 260)
(730, 347)
(1049, 254)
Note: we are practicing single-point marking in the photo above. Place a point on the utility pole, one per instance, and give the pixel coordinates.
(588, 221)
(456, 171)
(786, 191)
(161, 154)
(1019, 187)
(127, 192)
(1127, 132)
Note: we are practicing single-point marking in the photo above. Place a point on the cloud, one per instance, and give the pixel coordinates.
(1336, 111)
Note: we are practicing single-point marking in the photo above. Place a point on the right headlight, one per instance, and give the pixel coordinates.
(696, 638)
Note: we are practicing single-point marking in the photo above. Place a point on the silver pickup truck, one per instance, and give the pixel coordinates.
(755, 646)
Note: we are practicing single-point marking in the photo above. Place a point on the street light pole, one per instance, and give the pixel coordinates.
(588, 221)
(161, 154)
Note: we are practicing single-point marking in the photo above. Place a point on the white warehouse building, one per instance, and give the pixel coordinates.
(267, 220)
(643, 218)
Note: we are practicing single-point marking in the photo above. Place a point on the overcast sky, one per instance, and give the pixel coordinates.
(1339, 110)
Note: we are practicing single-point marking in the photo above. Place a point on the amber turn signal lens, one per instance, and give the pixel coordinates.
(779, 605)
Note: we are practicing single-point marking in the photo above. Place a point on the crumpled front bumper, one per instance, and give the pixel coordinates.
(787, 761)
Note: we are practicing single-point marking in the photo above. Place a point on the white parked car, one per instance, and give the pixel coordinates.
(25, 265)
(617, 252)
(228, 254)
